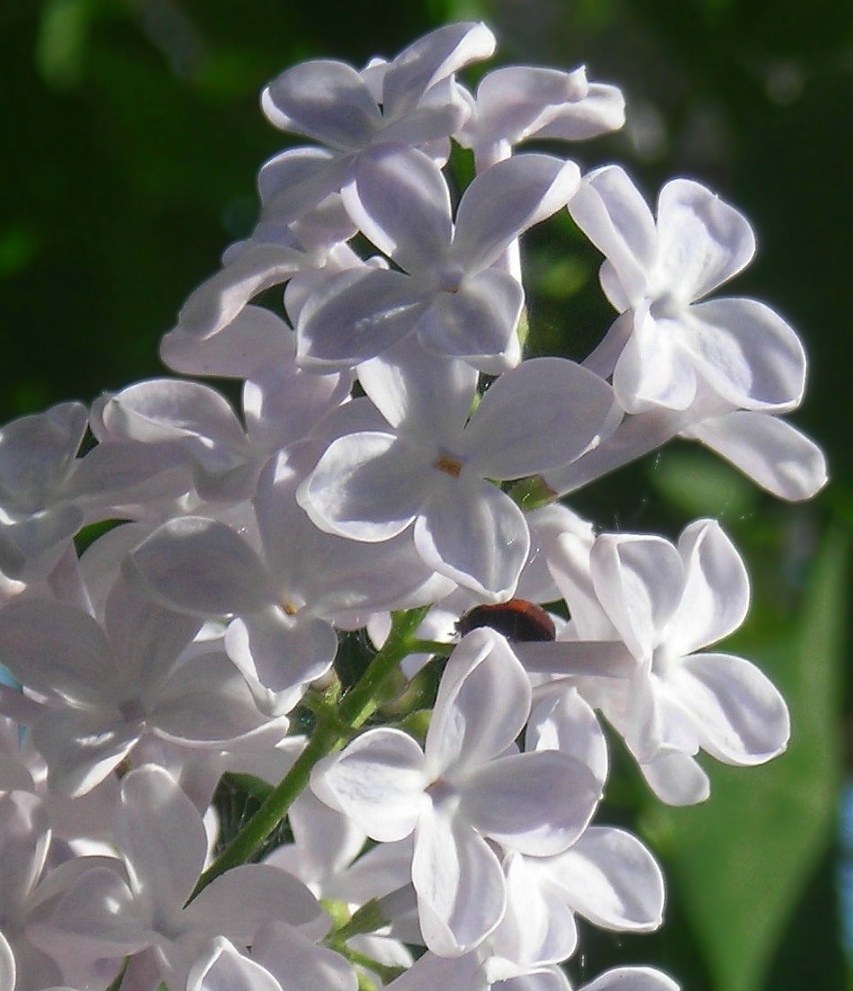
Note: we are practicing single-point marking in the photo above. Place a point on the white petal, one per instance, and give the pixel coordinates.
(283, 652)
(242, 900)
(7, 964)
(57, 650)
(536, 803)
(716, 591)
(612, 213)
(639, 581)
(367, 486)
(747, 353)
(544, 413)
(326, 100)
(378, 780)
(653, 369)
(482, 705)
(205, 568)
(769, 450)
(223, 296)
(538, 926)
(703, 241)
(611, 879)
(430, 59)
(505, 200)
(401, 202)
(223, 968)
(741, 717)
(299, 964)
(676, 778)
(161, 835)
(477, 322)
(565, 722)
(476, 535)
(460, 885)
(81, 748)
(632, 979)
(424, 393)
(356, 315)
(252, 339)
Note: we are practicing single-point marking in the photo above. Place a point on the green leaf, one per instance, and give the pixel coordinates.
(740, 862)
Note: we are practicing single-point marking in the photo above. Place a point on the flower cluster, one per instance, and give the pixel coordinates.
(428, 822)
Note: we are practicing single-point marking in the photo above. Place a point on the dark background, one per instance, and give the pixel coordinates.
(130, 137)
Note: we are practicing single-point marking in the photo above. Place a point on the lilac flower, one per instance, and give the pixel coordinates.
(429, 463)
(467, 787)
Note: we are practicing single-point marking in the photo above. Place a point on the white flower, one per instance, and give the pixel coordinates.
(447, 294)
(667, 343)
(666, 604)
(430, 463)
(467, 790)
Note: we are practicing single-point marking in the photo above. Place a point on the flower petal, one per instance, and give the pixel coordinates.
(378, 780)
(451, 863)
(325, 100)
(741, 717)
(476, 535)
(702, 241)
(770, 451)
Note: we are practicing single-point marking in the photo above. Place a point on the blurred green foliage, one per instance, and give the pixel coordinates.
(131, 137)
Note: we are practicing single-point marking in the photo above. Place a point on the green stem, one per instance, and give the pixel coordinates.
(355, 709)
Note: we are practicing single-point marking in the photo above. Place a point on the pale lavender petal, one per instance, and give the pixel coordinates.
(223, 296)
(769, 450)
(430, 59)
(482, 705)
(536, 803)
(716, 591)
(476, 535)
(639, 581)
(451, 863)
(476, 322)
(544, 413)
(356, 315)
(378, 781)
(741, 717)
(505, 200)
(58, 651)
(205, 568)
(161, 835)
(610, 878)
(612, 213)
(367, 486)
(747, 353)
(81, 748)
(325, 100)
(632, 979)
(702, 241)
(400, 200)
